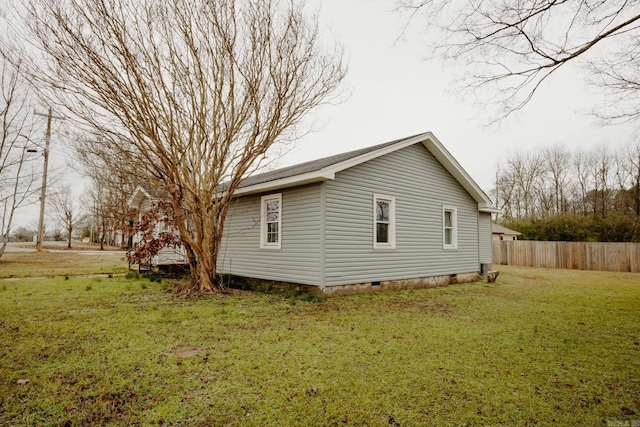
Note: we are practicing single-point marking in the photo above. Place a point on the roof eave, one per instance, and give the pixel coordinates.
(138, 195)
(292, 181)
(428, 139)
(489, 209)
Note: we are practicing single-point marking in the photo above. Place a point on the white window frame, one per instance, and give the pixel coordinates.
(454, 228)
(263, 221)
(391, 244)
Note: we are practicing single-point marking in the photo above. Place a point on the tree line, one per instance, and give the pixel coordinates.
(554, 193)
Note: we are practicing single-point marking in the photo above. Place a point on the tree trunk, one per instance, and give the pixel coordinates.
(203, 275)
(102, 235)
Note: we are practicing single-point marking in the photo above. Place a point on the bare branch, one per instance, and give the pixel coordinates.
(510, 47)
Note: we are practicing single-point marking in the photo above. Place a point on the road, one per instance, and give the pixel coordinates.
(30, 247)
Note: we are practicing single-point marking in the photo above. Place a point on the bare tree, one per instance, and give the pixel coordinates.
(504, 191)
(527, 169)
(96, 203)
(602, 162)
(511, 46)
(67, 210)
(581, 172)
(557, 159)
(194, 93)
(628, 176)
(116, 178)
(17, 178)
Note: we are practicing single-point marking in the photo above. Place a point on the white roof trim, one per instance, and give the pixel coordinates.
(277, 184)
(430, 142)
(134, 200)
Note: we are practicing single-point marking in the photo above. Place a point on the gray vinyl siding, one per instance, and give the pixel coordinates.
(486, 254)
(298, 260)
(421, 187)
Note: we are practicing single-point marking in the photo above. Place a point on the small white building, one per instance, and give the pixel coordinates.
(503, 233)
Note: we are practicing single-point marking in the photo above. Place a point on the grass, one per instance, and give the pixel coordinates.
(538, 347)
(53, 264)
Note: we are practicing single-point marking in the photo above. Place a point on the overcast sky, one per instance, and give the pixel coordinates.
(395, 92)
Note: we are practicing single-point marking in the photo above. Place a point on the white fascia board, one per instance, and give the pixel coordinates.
(488, 209)
(137, 196)
(292, 181)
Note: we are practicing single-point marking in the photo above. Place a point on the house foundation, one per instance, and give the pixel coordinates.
(367, 287)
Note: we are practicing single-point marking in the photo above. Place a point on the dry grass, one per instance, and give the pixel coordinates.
(52, 264)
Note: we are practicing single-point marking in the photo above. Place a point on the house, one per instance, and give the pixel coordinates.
(169, 258)
(396, 215)
(503, 233)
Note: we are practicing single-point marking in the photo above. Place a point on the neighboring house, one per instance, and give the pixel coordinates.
(142, 200)
(399, 214)
(503, 233)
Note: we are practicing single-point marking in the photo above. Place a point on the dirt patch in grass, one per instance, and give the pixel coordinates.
(186, 351)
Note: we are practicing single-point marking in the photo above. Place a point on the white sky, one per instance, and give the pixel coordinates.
(396, 93)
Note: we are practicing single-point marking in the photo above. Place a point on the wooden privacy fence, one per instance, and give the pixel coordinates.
(602, 256)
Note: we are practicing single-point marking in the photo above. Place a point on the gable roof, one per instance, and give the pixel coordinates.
(326, 168)
(144, 192)
(498, 229)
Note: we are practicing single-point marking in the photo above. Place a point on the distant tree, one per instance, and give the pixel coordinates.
(630, 164)
(601, 163)
(17, 177)
(117, 178)
(23, 234)
(557, 159)
(585, 195)
(194, 93)
(67, 210)
(508, 48)
(97, 203)
(582, 174)
(527, 167)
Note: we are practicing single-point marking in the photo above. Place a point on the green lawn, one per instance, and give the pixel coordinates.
(537, 347)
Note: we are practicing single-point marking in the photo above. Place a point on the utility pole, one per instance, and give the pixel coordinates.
(43, 190)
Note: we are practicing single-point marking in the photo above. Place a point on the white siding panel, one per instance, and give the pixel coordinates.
(421, 187)
(298, 261)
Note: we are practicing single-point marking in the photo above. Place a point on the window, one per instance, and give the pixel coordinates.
(449, 228)
(384, 222)
(271, 221)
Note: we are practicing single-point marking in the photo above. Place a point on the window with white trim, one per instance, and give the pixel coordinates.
(271, 221)
(449, 228)
(384, 222)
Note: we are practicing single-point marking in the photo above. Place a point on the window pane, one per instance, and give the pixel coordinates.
(382, 211)
(448, 236)
(273, 210)
(272, 232)
(447, 219)
(382, 233)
